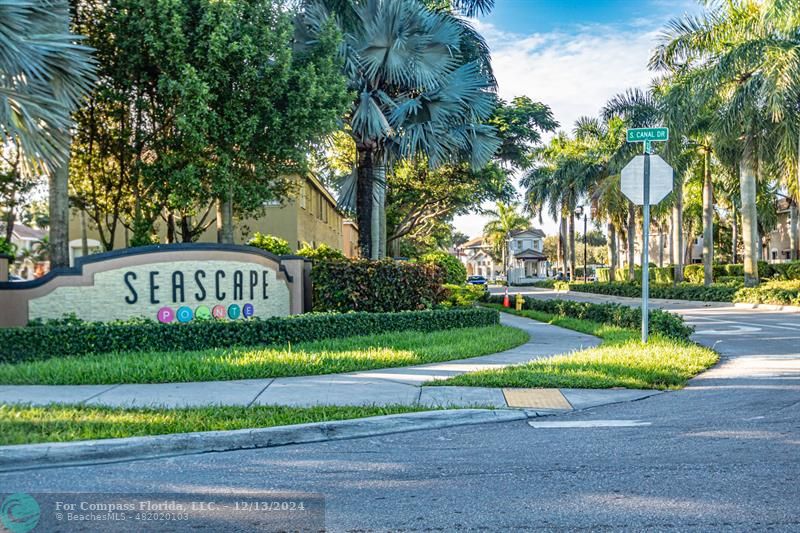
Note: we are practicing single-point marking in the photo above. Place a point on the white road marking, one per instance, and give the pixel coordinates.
(794, 326)
(589, 424)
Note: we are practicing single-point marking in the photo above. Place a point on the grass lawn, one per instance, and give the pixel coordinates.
(60, 423)
(312, 358)
(620, 361)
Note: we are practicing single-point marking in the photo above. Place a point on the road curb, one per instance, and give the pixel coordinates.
(29, 456)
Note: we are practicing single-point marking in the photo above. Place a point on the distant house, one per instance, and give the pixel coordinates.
(25, 239)
(526, 258)
(475, 254)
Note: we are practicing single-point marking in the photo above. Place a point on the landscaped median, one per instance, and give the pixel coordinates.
(667, 361)
(256, 349)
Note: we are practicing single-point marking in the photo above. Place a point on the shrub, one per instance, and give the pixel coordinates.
(683, 291)
(376, 286)
(270, 243)
(661, 322)
(776, 292)
(545, 283)
(59, 340)
(785, 271)
(463, 295)
(323, 252)
(455, 273)
(561, 286)
(693, 273)
(662, 275)
(603, 274)
(7, 249)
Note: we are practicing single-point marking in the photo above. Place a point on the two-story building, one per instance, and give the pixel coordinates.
(309, 216)
(526, 259)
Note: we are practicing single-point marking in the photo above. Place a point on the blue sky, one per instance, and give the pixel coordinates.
(573, 55)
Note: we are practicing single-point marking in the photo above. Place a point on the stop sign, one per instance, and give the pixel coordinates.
(632, 180)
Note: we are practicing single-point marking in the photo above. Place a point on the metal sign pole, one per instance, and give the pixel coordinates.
(646, 245)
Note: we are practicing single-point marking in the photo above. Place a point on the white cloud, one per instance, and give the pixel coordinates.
(575, 74)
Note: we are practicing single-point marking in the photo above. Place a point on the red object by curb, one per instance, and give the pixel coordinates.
(506, 303)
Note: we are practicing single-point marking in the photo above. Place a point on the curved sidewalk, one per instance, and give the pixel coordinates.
(400, 385)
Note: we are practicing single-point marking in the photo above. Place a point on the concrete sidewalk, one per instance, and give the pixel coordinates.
(375, 387)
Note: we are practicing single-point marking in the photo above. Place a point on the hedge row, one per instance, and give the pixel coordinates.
(58, 340)
(683, 291)
(661, 322)
(776, 292)
(694, 273)
(376, 286)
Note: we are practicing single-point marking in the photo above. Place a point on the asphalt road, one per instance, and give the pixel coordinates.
(722, 454)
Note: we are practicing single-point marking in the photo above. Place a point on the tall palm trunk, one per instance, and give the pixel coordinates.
(612, 252)
(708, 220)
(793, 228)
(571, 246)
(59, 216)
(84, 235)
(378, 217)
(677, 232)
(565, 247)
(364, 200)
(734, 234)
(660, 245)
(747, 185)
(631, 241)
(670, 243)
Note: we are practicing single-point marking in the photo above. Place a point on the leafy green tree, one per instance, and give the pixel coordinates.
(201, 105)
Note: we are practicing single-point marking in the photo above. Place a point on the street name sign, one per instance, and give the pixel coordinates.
(632, 180)
(647, 134)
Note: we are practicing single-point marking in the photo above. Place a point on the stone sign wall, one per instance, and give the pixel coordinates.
(168, 283)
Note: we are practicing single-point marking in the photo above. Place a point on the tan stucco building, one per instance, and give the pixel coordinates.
(310, 216)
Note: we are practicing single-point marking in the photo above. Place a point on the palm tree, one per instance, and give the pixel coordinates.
(729, 54)
(44, 74)
(499, 229)
(423, 88)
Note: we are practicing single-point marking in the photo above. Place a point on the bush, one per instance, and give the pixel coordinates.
(60, 340)
(323, 252)
(776, 292)
(561, 286)
(545, 283)
(661, 322)
(376, 286)
(270, 243)
(463, 295)
(455, 273)
(693, 273)
(662, 275)
(683, 291)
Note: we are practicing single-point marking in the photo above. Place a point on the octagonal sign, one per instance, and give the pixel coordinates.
(632, 180)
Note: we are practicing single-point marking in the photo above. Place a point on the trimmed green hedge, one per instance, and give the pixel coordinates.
(59, 340)
(683, 291)
(661, 322)
(776, 292)
(376, 286)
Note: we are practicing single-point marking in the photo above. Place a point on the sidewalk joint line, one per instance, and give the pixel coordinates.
(260, 392)
(93, 396)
